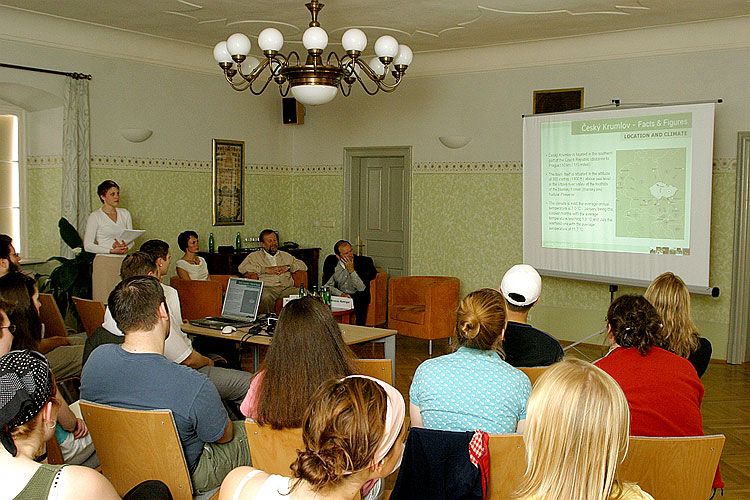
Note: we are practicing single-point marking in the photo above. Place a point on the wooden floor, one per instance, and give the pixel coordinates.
(726, 406)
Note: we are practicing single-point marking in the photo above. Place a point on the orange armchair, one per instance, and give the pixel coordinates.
(376, 311)
(423, 306)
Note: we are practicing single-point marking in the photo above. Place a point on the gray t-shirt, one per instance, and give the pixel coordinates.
(115, 377)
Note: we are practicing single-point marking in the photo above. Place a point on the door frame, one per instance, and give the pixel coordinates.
(738, 348)
(349, 224)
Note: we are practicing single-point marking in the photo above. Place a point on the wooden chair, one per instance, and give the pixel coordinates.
(423, 306)
(49, 314)
(533, 372)
(136, 445)
(273, 451)
(91, 313)
(377, 310)
(507, 464)
(198, 299)
(673, 468)
(381, 369)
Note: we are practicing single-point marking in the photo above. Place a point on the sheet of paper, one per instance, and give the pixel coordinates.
(130, 235)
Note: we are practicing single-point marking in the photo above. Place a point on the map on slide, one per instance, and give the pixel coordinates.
(650, 199)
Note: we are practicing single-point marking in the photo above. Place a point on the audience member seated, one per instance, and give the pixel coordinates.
(136, 375)
(10, 261)
(306, 350)
(472, 388)
(671, 298)
(353, 434)
(523, 344)
(63, 353)
(72, 435)
(576, 436)
(154, 261)
(349, 275)
(6, 328)
(191, 266)
(274, 268)
(663, 389)
(28, 411)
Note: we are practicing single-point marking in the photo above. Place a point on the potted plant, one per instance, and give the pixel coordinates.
(72, 278)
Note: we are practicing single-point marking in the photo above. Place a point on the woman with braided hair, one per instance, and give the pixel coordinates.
(663, 389)
(353, 433)
(473, 387)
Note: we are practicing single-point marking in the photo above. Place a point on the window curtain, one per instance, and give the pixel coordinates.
(76, 157)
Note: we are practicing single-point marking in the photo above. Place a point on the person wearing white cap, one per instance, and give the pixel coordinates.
(523, 344)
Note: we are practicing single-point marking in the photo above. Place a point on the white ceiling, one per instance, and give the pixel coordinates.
(424, 25)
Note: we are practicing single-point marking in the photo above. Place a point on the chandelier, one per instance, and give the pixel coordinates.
(313, 82)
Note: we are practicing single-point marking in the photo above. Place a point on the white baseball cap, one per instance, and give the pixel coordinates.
(521, 285)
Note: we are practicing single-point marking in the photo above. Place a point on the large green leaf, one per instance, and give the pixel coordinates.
(69, 234)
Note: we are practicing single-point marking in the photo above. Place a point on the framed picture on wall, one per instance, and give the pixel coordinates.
(556, 100)
(228, 169)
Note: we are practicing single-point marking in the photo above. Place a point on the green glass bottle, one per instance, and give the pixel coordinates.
(237, 242)
(211, 242)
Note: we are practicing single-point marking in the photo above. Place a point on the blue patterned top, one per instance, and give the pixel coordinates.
(468, 390)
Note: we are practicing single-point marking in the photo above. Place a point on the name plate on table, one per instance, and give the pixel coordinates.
(337, 303)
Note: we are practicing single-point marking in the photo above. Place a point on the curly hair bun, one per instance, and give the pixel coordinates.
(321, 467)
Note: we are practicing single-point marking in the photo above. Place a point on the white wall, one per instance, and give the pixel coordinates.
(488, 106)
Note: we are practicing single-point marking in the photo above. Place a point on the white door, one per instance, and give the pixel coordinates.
(377, 182)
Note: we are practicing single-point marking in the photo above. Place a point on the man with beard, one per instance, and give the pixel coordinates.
(274, 268)
(9, 259)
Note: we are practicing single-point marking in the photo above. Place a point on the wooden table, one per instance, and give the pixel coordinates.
(352, 334)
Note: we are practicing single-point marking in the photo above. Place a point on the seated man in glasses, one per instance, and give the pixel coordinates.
(349, 275)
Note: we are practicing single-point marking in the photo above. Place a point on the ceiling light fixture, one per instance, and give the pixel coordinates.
(313, 82)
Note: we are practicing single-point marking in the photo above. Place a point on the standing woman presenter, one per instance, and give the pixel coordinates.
(103, 228)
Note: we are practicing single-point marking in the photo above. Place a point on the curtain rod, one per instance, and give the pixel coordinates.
(76, 76)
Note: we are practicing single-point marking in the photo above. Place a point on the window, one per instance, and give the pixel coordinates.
(11, 217)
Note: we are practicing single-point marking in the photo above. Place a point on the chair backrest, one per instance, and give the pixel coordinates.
(49, 314)
(381, 369)
(377, 310)
(507, 464)
(223, 279)
(673, 468)
(273, 451)
(136, 445)
(198, 299)
(533, 372)
(91, 313)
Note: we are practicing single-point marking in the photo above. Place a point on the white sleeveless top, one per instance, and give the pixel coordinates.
(274, 487)
(197, 271)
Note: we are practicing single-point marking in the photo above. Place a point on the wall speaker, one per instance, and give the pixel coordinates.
(292, 112)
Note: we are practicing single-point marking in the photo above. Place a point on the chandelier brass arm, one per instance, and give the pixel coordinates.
(313, 82)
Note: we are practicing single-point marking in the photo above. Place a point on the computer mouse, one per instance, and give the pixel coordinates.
(228, 330)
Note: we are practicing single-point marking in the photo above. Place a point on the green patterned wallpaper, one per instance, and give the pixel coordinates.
(463, 224)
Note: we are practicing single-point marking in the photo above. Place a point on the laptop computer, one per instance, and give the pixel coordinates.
(240, 308)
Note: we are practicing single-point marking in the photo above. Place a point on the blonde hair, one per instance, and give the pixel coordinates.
(669, 295)
(480, 320)
(576, 434)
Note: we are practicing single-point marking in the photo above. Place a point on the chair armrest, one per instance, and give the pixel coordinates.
(441, 302)
(252, 276)
(300, 278)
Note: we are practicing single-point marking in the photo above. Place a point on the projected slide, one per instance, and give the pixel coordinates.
(617, 184)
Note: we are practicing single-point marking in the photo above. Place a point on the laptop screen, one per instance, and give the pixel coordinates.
(242, 298)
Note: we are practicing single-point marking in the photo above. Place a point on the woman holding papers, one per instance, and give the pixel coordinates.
(106, 224)
(103, 232)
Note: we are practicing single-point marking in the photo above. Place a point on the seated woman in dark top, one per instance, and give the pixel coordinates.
(671, 298)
